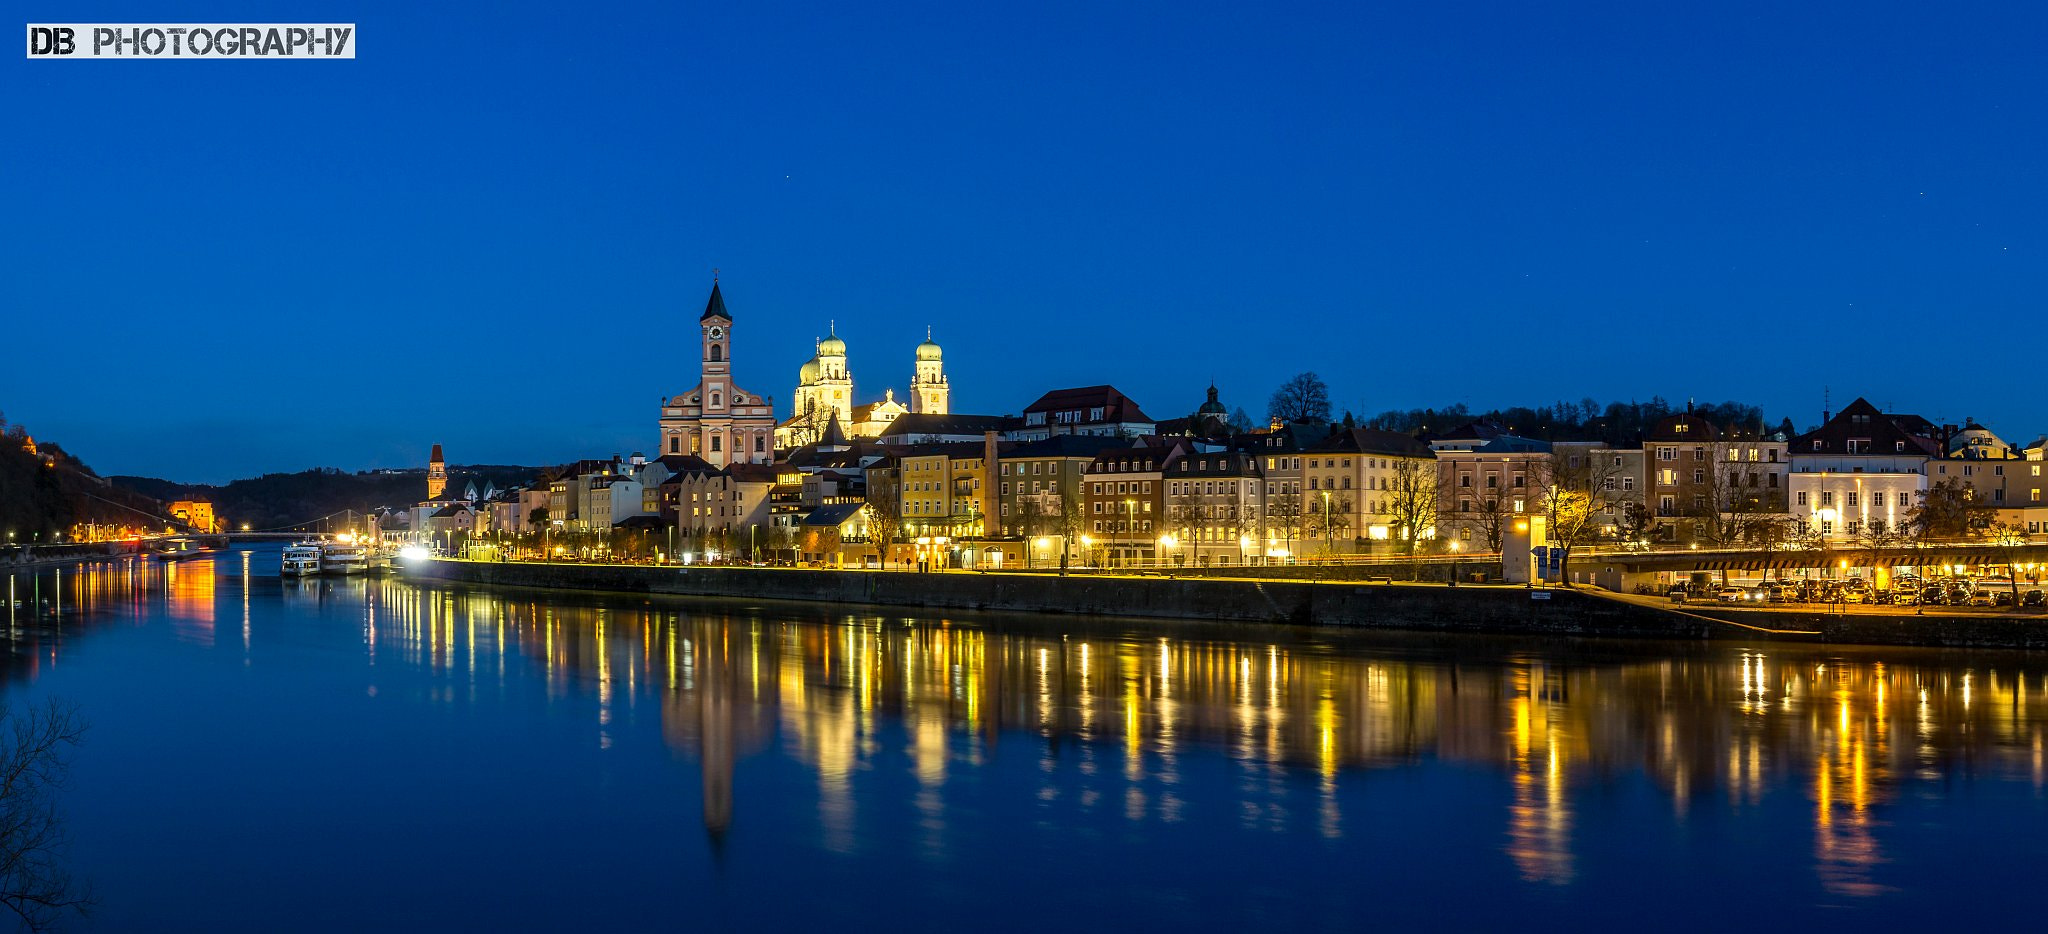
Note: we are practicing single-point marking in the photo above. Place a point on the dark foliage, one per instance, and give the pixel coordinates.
(1617, 423)
(298, 501)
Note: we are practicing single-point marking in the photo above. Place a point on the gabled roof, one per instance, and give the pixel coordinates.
(1286, 439)
(921, 424)
(1374, 441)
(833, 515)
(1860, 421)
(1683, 427)
(752, 473)
(834, 435)
(1066, 446)
(715, 307)
(1116, 407)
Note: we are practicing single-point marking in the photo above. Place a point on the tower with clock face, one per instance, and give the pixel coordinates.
(717, 420)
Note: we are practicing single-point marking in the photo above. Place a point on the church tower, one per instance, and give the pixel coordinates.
(929, 393)
(717, 420)
(437, 474)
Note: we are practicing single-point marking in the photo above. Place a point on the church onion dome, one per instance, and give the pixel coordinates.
(927, 351)
(808, 374)
(1213, 406)
(832, 347)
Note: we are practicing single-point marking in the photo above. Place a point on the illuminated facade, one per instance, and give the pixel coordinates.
(930, 394)
(716, 419)
(437, 474)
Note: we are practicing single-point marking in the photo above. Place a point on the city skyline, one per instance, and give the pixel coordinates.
(1425, 212)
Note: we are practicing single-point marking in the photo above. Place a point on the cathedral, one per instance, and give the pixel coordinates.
(716, 419)
(824, 395)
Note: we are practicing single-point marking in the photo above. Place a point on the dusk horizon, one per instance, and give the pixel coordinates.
(1172, 465)
(1772, 205)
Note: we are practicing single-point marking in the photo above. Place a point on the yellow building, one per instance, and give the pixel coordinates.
(195, 514)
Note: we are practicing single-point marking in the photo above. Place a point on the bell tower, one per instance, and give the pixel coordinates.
(437, 474)
(929, 393)
(716, 326)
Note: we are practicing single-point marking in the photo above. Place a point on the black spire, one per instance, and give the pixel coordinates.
(715, 308)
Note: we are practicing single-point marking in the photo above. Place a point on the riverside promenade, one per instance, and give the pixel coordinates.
(1368, 605)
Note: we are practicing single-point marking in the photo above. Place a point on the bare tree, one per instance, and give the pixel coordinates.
(1304, 398)
(1186, 511)
(1033, 517)
(1328, 514)
(1071, 518)
(1413, 499)
(885, 513)
(1948, 511)
(33, 881)
(2007, 539)
(1576, 490)
(1877, 543)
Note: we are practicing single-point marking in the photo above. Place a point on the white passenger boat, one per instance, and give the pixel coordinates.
(343, 558)
(301, 559)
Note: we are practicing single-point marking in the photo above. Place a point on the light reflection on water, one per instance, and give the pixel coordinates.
(1135, 729)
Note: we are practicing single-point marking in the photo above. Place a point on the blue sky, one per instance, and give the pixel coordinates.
(495, 230)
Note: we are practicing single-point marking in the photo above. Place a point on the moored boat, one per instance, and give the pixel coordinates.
(301, 559)
(343, 558)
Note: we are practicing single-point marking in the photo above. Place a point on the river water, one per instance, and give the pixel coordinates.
(269, 754)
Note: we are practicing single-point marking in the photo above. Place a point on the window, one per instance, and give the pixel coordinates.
(715, 439)
(1905, 500)
(1851, 502)
(1827, 497)
(675, 445)
(1607, 484)
(1667, 454)
(1628, 483)
(1518, 505)
(1699, 476)
(1801, 499)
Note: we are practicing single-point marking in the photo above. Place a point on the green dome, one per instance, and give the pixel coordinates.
(927, 351)
(832, 347)
(808, 374)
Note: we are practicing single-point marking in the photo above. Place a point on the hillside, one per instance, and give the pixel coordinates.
(45, 491)
(299, 500)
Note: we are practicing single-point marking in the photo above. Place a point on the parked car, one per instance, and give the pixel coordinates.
(2034, 597)
(1857, 592)
(2001, 597)
(1934, 595)
(1677, 593)
(1959, 595)
(1910, 597)
(1732, 595)
(1778, 593)
(1979, 598)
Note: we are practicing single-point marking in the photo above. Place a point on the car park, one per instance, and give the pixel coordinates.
(1978, 598)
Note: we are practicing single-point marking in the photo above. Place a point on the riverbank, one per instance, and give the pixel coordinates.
(1376, 606)
(25, 557)
(1395, 606)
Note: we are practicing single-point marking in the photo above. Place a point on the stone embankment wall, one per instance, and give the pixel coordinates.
(1379, 606)
(32, 556)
